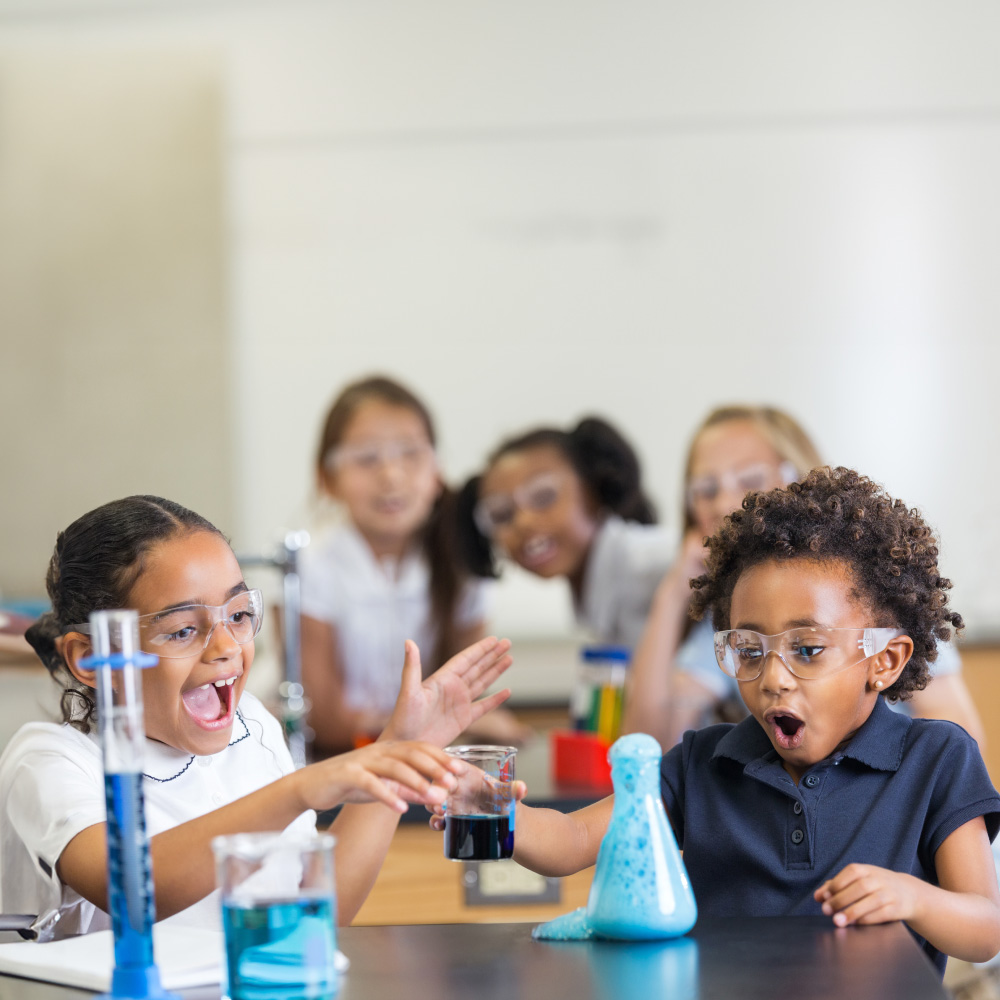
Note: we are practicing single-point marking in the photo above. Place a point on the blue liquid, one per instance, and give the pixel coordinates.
(130, 875)
(478, 838)
(281, 950)
(640, 890)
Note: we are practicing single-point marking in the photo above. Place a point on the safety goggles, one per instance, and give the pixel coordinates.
(497, 511)
(807, 652)
(759, 476)
(371, 455)
(185, 631)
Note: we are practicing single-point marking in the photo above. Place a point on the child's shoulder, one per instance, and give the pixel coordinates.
(938, 736)
(37, 741)
(638, 544)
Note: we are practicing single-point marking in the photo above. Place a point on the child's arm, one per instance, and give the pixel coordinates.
(334, 724)
(554, 843)
(551, 842)
(436, 710)
(961, 917)
(657, 700)
(183, 865)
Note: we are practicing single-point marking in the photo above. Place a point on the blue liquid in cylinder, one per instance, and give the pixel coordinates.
(283, 949)
(130, 875)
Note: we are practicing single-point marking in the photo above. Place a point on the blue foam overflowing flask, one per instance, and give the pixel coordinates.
(641, 889)
(117, 661)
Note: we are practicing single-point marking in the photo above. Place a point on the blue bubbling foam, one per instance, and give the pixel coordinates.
(641, 890)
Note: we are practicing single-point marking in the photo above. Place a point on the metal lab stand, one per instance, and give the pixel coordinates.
(285, 559)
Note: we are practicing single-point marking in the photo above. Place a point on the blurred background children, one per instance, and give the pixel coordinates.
(570, 504)
(675, 683)
(385, 572)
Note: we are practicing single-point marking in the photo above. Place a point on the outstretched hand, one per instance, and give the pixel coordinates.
(386, 771)
(444, 705)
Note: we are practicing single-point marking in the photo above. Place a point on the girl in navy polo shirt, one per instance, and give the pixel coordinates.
(826, 600)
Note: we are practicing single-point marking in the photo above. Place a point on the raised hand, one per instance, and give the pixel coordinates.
(444, 705)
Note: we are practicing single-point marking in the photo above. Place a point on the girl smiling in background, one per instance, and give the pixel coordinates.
(570, 504)
(386, 572)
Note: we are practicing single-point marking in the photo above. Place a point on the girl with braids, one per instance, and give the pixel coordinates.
(215, 760)
(387, 572)
(570, 504)
(826, 600)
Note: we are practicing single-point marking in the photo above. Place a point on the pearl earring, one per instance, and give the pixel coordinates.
(878, 684)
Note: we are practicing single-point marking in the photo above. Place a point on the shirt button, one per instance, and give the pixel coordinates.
(204, 761)
(217, 799)
(797, 808)
(811, 781)
(797, 836)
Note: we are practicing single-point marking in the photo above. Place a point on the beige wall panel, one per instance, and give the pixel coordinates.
(115, 369)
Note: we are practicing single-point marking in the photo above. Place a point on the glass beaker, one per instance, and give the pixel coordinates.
(278, 914)
(479, 813)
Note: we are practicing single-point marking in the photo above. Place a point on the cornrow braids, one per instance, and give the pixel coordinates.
(839, 514)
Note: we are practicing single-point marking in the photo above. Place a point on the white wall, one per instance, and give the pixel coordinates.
(531, 211)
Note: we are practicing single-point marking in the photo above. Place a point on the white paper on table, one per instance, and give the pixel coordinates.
(186, 957)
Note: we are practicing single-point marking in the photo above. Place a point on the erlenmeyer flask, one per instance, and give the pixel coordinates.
(640, 889)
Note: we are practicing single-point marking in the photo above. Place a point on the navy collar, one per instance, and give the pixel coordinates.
(878, 743)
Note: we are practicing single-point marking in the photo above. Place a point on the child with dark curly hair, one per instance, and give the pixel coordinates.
(826, 599)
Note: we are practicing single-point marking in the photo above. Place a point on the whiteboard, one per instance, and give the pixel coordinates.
(530, 212)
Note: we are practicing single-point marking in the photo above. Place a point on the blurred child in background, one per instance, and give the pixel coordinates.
(570, 504)
(387, 571)
(675, 683)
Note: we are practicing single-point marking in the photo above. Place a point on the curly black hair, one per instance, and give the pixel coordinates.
(840, 514)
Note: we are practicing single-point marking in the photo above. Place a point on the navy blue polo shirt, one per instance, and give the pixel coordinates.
(757, 844)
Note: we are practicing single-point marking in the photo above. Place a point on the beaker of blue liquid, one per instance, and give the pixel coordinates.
(479, 813)
(279, 916)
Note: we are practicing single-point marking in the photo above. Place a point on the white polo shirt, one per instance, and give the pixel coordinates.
(52, 787)
(624, 567)
(375, 605)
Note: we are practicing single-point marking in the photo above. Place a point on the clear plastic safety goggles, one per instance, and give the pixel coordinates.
(371, 455)
(759, 476)
(806, 652)
(497, 511)
(186, 630)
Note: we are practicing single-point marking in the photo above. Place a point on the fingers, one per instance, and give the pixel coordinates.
(488, 673)
(860, 894)
(412, 673)
(479, 708)
(408, 772)
(479, 658)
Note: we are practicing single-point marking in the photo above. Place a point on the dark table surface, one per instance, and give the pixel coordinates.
(800, 958)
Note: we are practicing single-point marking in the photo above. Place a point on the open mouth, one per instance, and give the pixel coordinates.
(537, 551)
(211, 705)
(788, 730)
